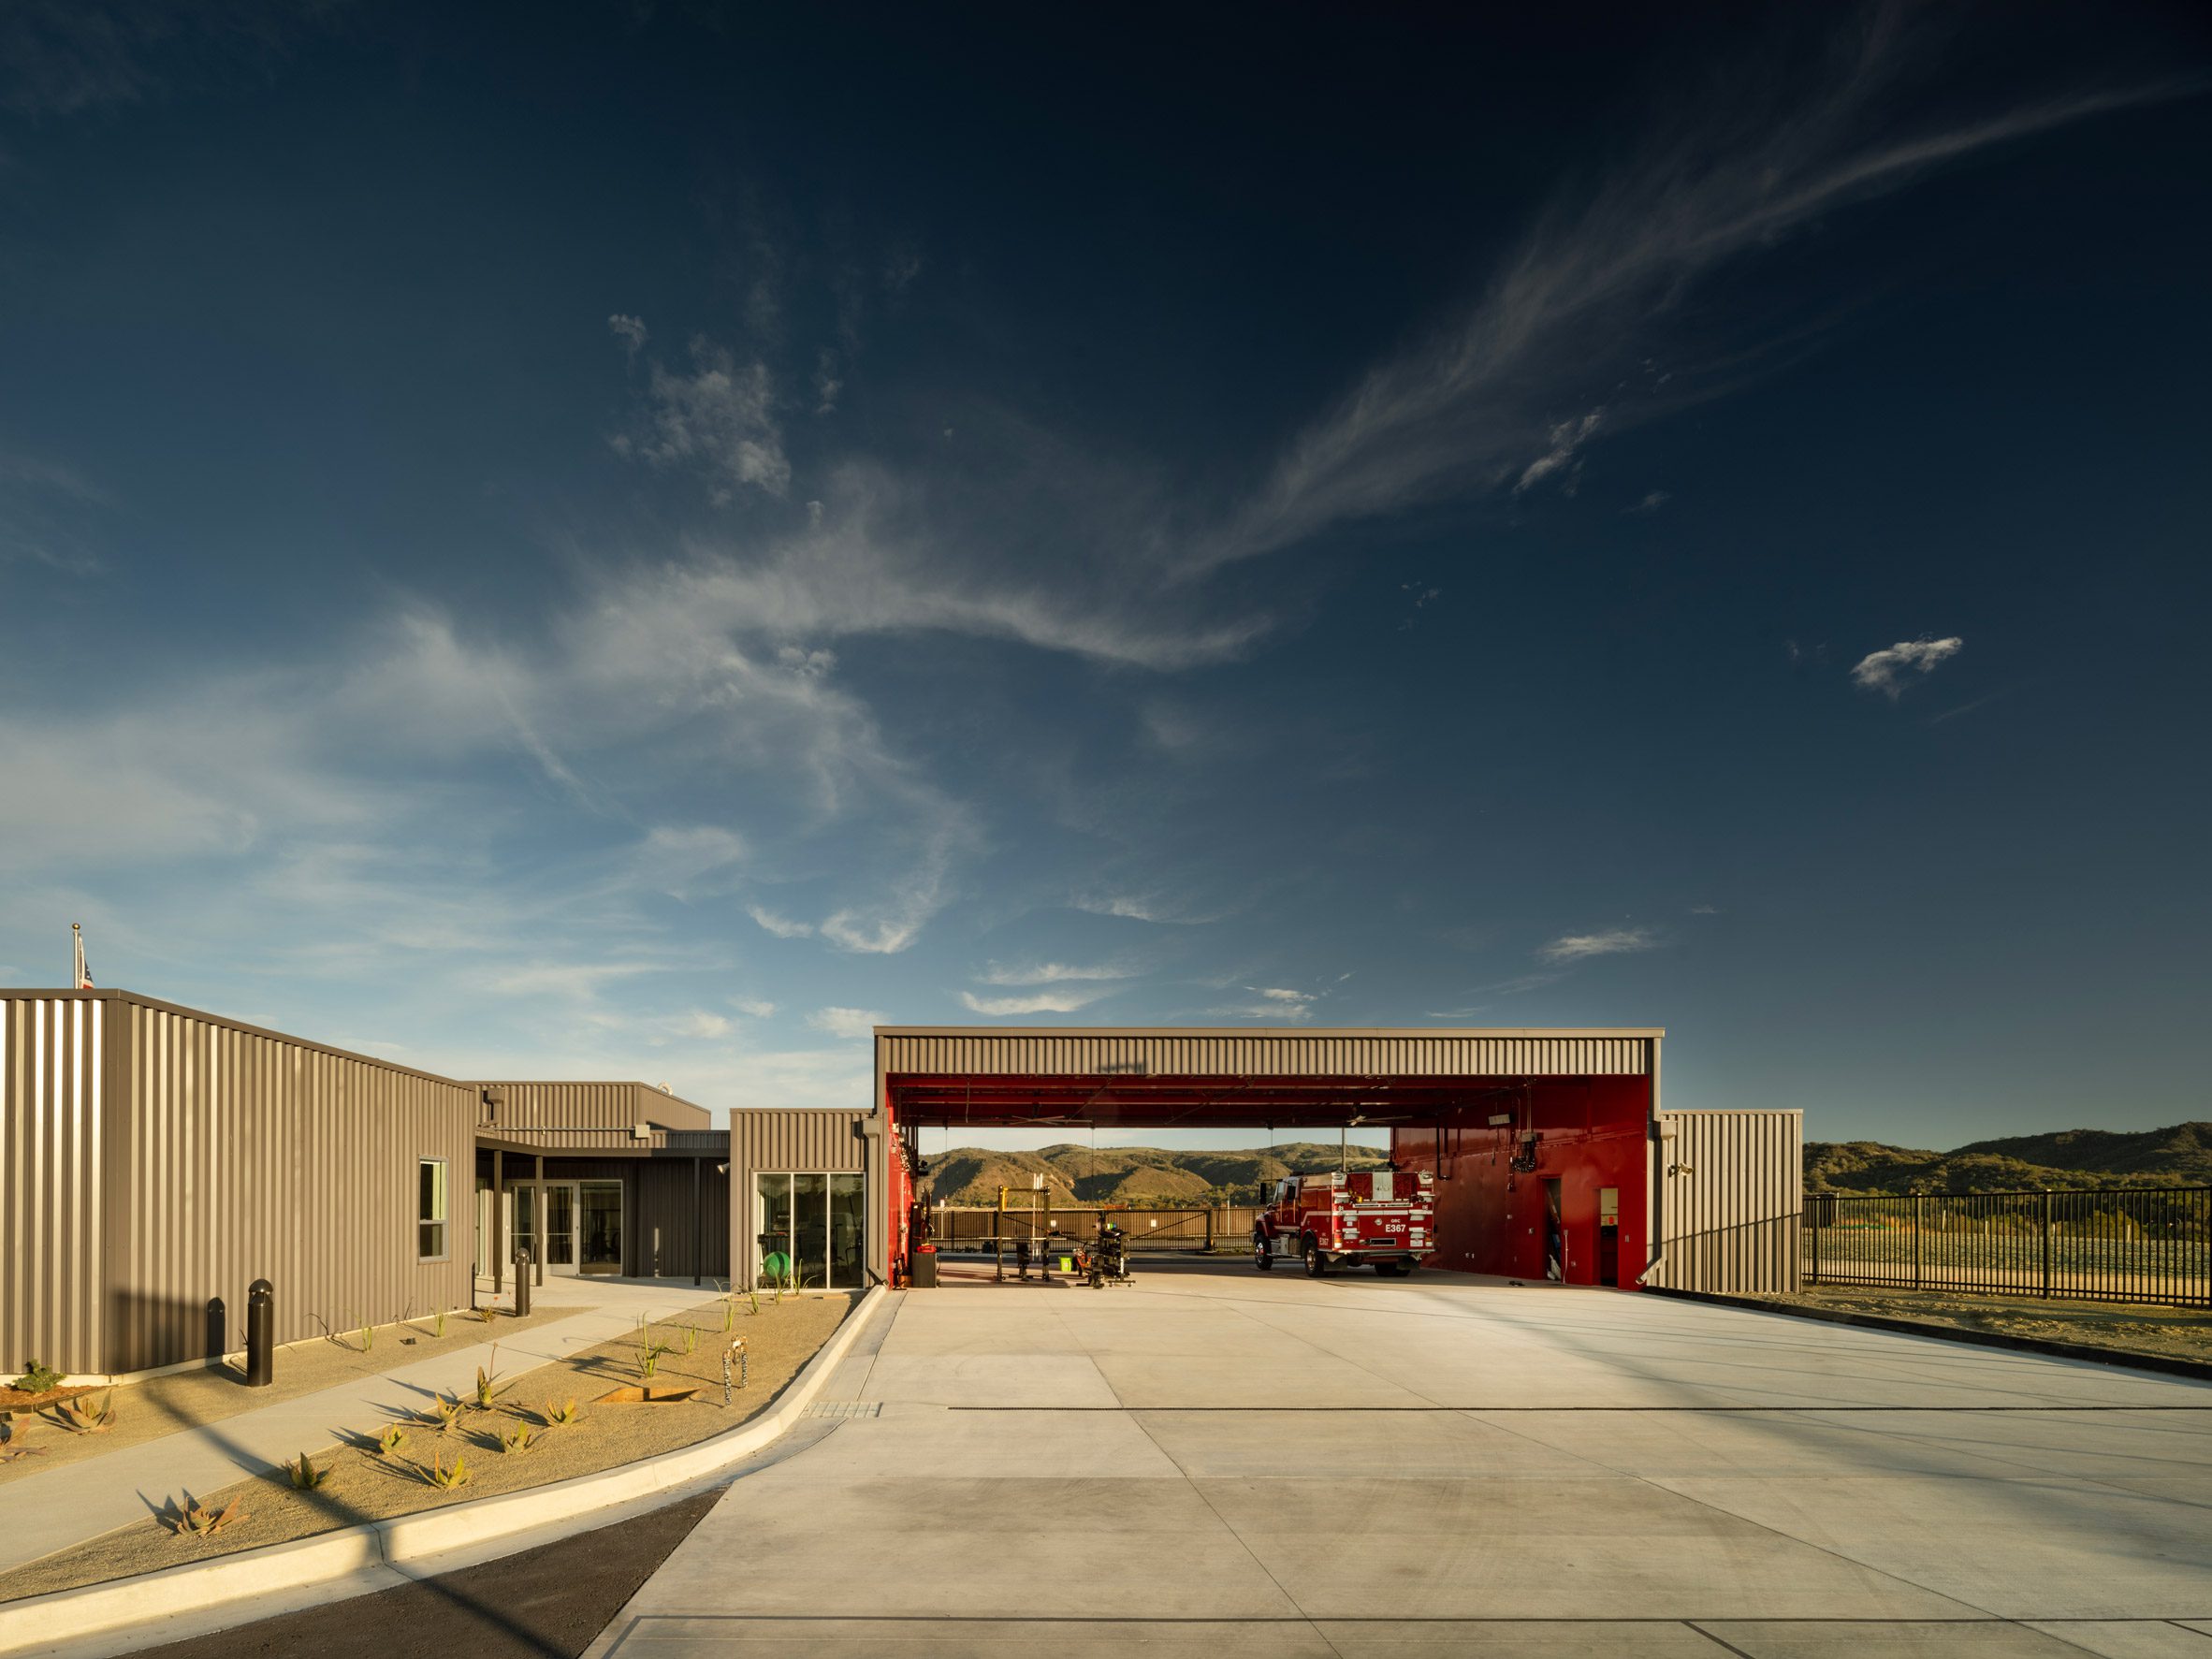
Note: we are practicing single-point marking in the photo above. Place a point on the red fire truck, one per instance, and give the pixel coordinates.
(1378, 1217)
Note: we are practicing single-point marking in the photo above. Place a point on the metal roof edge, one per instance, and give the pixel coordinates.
(568, 1082)
(1479, 1031)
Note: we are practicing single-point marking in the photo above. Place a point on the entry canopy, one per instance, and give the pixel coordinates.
(1287, 1077)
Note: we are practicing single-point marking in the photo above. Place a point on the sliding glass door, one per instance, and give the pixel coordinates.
(809, 1229)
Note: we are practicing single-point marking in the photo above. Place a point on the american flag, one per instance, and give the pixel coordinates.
(84, 980)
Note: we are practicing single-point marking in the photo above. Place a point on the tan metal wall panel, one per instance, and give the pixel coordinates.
(773, 1138)
(1266, 1053)
(53, 1129)
(589, 1106)
(250, 1155)
(1731, 1194)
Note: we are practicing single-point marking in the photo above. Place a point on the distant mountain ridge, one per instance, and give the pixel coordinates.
(2177, 1155)
(1152, 1177)
(1140, 1177)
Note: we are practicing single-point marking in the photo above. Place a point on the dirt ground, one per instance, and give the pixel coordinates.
(547, 1603)
(364, 1484)
(2174, 1332)
(36, 1439)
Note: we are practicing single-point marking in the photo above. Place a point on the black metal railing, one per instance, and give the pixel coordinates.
(2134, 1243)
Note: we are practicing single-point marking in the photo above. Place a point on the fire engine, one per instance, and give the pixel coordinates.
(1379, 1217)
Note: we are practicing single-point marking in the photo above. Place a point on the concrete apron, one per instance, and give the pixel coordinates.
(178, 1601)
(1220, 1463)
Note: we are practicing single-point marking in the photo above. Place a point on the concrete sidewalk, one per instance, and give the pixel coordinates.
(1219, 1462)
(77, 1501)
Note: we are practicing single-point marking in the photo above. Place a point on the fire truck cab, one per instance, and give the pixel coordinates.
(1382, 1217)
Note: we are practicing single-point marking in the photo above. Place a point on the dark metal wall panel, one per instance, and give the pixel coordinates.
(250, 1155)
(589, 1106)
(1271, 1053)
(1731, 1196)
(53, 1129)
(669, 1223)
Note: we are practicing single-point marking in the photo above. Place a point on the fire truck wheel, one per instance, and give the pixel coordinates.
(1315, 1263)
(1262, 1258)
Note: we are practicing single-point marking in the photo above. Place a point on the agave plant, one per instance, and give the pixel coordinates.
(304, 1475)
(391, 1440)
(445, 1411)
(561, 1417)
(197, 1521)
(515, 1439)
(440, 1474)
(86, 1416)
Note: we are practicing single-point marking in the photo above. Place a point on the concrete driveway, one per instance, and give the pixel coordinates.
(1220, 1463)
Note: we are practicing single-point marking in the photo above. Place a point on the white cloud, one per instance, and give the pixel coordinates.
(753, 1007)
(1616, 941)
(781, 927)
(1051, 973)
(1885, 671)
(630, 330)
(719, 419)
(1043, 1003)
(1651, 503)
(845, 1022)
(1466, 408)
(1567, 438)
(697, 1023)
(577, 981)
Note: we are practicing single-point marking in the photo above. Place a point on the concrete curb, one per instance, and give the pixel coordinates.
(2196, 1370)
(72, 1615)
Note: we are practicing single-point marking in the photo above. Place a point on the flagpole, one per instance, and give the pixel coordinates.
(77, 971)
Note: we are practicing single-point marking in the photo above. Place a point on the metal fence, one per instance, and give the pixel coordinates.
(1227, 1227)
(2140, 1243)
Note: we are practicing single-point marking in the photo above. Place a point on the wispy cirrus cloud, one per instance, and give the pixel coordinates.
(1037, 1002)
(845, 1022)
(1052, 973)
(1889, 670)
(1470, 406)
(719, 420)
(1613, 941)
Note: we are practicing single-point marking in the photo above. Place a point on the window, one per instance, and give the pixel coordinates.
(429, 1212)
(809, 1231)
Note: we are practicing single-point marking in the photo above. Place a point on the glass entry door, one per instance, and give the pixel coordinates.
(599, 1245)
(560, 1226)
(809, 1231)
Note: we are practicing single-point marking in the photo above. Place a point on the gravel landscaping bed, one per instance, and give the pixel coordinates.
(363, 1482)
(36, 1439)
(2170, 1332)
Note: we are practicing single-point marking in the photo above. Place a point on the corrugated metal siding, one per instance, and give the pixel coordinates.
(776, 1138)
(54, 1125)
(247, 1155)
(1732, 1190)
(589, 1106)
(1264, 1054)
(662, 1188)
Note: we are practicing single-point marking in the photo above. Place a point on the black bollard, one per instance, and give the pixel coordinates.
(522, 1281)
(218, 1334)
(260, 1333)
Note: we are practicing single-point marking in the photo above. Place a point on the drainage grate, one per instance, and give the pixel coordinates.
(845, 1408)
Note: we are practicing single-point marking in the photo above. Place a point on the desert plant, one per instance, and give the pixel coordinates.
(691, 1338)
(438, 1323)
(561, 1417)
(37, 1379)
(648, 1360)
(198, 1521)
(486, 1392)
(368, 1335)
(754, 1297)
(445, 1411)
(391, 1440)
(86, 1416)
(304, 1475)
(446, 1478)
(729, 1316)
(515, 1439)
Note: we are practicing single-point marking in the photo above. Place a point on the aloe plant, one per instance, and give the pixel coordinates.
(445, 1411)
(389, 1442)
(304, 1475)
(561, 1417)
(198, 1521)
(86, 1416)
(515, 1439)
(446, 1478)
(486, 1392)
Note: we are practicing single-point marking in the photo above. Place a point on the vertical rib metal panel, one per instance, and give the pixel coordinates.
(662, 1188)
(795, 1139)
(1731, 1196)
(252, 1155)
(53, 1100)
(589, 1106)
(1266, 1055)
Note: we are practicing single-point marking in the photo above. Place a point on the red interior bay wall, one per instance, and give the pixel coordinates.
(1490, 1217)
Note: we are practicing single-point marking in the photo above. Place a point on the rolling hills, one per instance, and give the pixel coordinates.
(1151, 1177)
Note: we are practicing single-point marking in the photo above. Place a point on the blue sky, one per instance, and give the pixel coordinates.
(641, 541)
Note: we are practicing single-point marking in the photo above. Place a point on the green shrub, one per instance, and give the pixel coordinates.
(37, 1379)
